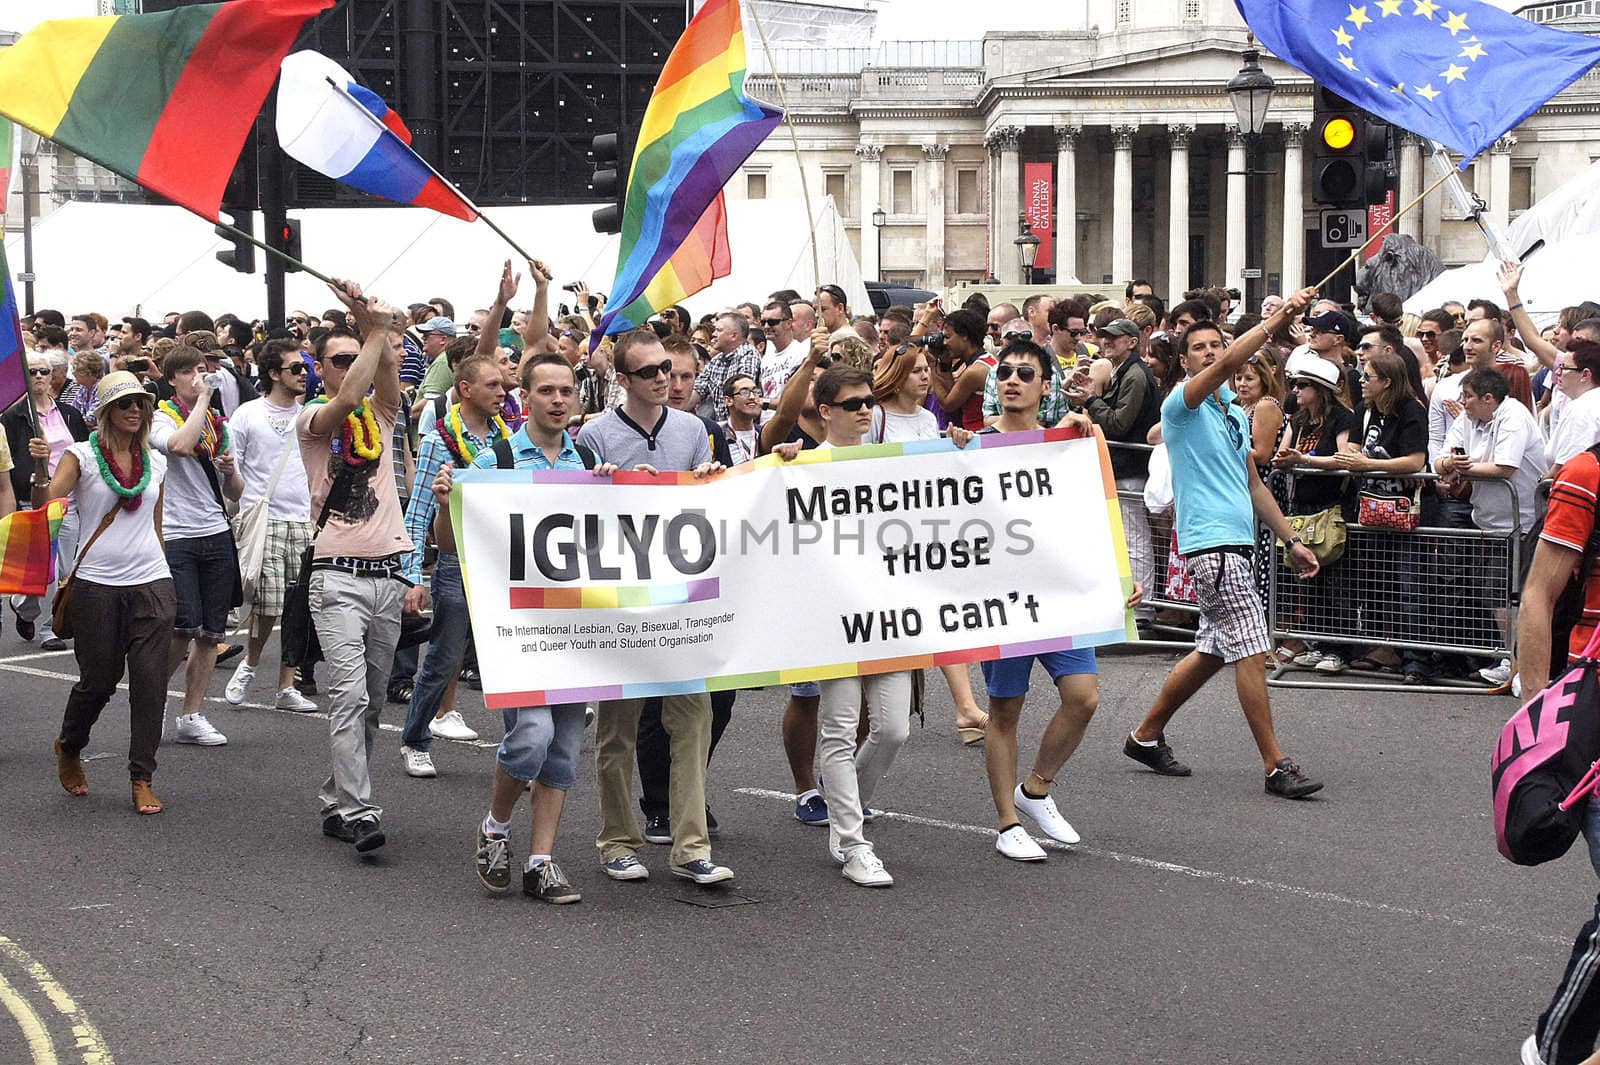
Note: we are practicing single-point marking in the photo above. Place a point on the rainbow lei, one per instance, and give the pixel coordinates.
(213, 434)
(130, 489)
(454, 434)
(360, 440)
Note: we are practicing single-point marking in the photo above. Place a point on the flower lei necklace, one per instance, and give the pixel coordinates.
(360, 440)
(213, 432)
(454, 434)
(129, 488)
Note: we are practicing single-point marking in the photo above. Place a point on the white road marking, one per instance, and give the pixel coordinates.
(1251, 882)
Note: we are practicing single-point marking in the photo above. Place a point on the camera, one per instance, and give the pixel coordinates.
(571, 286)
(934, 342)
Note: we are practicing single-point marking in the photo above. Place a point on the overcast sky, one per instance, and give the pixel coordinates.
(898, 20)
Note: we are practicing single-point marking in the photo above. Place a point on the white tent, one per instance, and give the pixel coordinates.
(135, 259)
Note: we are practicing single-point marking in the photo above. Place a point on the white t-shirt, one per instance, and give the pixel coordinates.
(1577, 429)
(260, 432)
(129, 552)
(1439, 419)
(1511, 438)
(191, 509)
(778, 367)
(890, 428)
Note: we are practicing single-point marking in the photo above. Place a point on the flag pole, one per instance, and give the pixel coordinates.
(376, 121)
(1470, 204)
(1355, 256)
(794, 140)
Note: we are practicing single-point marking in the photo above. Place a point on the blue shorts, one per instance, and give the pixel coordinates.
(806, 689)
(1007, 678)
(543, 743)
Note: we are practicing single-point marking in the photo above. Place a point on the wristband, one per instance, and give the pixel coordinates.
(1514, 307)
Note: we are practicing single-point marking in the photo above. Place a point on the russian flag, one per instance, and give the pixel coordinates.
(338, 127)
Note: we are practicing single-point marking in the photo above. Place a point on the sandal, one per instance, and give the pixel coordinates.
(972, 735)
(144, 800)
(69, 767)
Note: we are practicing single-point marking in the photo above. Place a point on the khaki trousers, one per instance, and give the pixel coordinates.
(687, 720)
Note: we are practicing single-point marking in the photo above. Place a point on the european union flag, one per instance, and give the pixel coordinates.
(1462, 73)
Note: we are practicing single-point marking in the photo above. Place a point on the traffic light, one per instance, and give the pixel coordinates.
(290, 244)
(1338, 166)
(607, 182)
(1377, 161)
(242, 255)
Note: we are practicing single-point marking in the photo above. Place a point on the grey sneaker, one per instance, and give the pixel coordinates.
(703, 872)
(626, 867)
(1287, 781)
(547, 883)
(493, 861)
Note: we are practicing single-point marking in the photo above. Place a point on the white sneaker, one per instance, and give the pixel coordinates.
(866, 869)
(238, 683)
(1530, 1051)
(1016, 844)
(452, 727)
(1330, 664)
(833, 845)
(1307, 659)
(290, 699)
(1046, 816)
(194, 728)
(418, 763)
(1499, 675)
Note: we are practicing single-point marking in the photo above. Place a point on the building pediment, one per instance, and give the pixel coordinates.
(1179, 65)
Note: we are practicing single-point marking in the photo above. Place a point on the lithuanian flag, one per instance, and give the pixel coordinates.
(27, 548)
(165, 100)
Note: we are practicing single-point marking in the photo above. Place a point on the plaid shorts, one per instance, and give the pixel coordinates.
(1232, 623)
(280, 565)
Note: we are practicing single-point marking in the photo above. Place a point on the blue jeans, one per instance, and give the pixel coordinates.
(451, 627)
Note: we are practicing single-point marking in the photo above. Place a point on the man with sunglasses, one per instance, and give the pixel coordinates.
(833, 307)
(1219, 495)
(786, 350)
(261, 430)
(644, 433)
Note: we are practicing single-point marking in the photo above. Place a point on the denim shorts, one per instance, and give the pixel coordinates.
(543, 743)
(806, 689)
(203, 577)
(1007, 678)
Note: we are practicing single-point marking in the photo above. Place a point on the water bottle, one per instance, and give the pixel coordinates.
(213, 381)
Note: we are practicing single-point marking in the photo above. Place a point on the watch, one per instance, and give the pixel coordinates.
(1297, 540)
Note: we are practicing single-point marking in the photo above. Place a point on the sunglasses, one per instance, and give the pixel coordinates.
(744, 393)
(1006, 371)
(855, 404)
(301, 321)
(35, 372)
(1019, 334)
(1427, 334)
(1078, 332)
(772, 323)
(651, 372)
(299, 367)
(126, 402)
(343, 362)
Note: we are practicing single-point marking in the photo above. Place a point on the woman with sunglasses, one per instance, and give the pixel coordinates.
(122, 590)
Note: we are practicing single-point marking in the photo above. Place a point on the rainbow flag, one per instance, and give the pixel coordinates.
(8, 156)
(13, 355)
(27, 548)
(165, 100)
(698, 129)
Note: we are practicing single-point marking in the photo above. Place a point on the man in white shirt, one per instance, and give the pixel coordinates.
(1577, 372)
(786, 350)
(268, 462)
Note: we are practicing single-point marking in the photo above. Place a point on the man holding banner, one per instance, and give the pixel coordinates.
(645, 434)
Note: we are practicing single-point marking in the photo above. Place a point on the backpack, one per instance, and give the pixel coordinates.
(1569, 604)
(1547, 763)
(504, 460)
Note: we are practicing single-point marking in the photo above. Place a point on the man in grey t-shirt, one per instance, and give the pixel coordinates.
(645, 434)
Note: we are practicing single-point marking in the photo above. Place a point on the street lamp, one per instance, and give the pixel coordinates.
(1250, 93)
(1027, 248)
(879, 220)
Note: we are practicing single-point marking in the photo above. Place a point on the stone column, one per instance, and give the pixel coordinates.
(1067, 201)
(1007, 206)
(1178, 213)
(1410, 224)
(992, 142)
(1500, 180)
(1293, 267)
(1122, 203)
(1238, 205)
(871, 156)
(936, 154)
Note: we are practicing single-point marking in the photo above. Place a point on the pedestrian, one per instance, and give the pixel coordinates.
(121, 589)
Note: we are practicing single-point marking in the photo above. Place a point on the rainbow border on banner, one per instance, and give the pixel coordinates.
(661, 594)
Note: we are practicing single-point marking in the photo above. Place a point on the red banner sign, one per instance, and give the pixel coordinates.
(1039, 204)
(1378, 216)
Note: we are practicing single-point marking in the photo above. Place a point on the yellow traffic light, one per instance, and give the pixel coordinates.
(1338, 134)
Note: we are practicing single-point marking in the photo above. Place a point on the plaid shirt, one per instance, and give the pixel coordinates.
(743, 361)
(419, 512)
(1052, 408)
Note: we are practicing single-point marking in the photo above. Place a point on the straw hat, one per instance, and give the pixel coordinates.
(114, 386)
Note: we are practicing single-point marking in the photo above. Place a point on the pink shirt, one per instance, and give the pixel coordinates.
(56, 434)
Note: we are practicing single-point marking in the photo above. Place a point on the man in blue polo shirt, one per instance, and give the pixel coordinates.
(542, 743)
(1216, 489)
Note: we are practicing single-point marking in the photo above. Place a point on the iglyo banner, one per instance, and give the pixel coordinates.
(845, 562)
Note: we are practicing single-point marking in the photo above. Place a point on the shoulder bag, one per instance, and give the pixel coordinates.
(60, 620)
(250, 534)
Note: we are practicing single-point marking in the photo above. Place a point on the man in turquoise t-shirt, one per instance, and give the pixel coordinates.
(1217, 495)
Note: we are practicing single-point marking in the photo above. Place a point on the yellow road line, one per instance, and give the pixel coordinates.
(90, 1044)
(33, 1029)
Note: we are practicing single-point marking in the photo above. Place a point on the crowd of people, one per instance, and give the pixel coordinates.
(259, 477)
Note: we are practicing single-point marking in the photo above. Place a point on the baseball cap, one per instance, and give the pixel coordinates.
(1315, 369)
(438, 324)
(1118, 327)
(1334, 322)
(115, 385)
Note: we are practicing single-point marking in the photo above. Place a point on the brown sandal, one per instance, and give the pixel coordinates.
(69, 767)
(144, 800)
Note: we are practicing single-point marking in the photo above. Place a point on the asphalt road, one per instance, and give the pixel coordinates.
(1200, 920)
